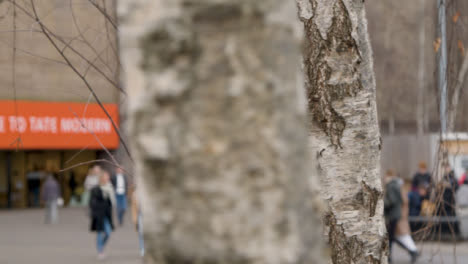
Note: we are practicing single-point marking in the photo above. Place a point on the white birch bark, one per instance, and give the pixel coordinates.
(217, 134)
(344, 133)
(452, 115)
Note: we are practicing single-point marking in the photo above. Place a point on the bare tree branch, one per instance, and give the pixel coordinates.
(62, 41)
(94, 135)
(89, 45)
(54, 44)
(104, 13)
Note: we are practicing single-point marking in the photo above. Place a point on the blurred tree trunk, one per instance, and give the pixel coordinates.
(420, 106)
(452, 113)
(217, 133)
(344, 134)
(457, 65)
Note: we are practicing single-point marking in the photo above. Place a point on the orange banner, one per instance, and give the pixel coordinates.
(57, 125)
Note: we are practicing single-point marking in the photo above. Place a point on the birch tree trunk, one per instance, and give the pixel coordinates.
(344, 133)
(217, 133)
(452, 115)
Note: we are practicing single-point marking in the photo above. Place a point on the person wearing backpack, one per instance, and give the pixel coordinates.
(392, 207)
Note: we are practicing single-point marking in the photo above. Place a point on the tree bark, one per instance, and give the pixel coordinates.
(344, 133)
(217, 133)
(452, 115)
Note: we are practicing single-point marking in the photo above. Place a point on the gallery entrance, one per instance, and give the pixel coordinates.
(22, 174)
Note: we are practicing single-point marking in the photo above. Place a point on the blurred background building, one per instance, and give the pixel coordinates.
(406, 45)
(49, 120)
(44, 102)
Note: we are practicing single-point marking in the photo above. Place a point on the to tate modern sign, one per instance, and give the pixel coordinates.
(53, 125)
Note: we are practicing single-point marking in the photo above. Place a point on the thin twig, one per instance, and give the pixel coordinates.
(94, 135)
(104, 13)
(48, 36)
(81, 33)
(35, 17)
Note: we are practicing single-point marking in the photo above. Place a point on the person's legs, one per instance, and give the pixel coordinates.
(107, 231)
(100, 242)
(48, 212)
(391, 228)
(407, 242)
(140, 235)
(53, 211)
(103, 237)
(36, 193)
(121, 207)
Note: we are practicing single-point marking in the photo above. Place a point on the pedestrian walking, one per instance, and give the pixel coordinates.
(403, 231)
(91, 181)
(101, 207)
(119, 181)
(137, 218)
(50, 195)
(392, 207)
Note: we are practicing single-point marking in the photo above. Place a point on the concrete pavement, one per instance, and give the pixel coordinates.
(24, 239)
(435, 253)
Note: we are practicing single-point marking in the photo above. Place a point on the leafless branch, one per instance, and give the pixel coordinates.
(33, 15)
(104, 13)
(48, 35)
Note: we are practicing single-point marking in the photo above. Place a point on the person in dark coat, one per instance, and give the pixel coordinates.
(422, 177)
(392, 206)
(101, 203)
(449, 186)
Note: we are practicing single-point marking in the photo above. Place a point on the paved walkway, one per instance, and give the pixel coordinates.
(24, 239)
(435, 253)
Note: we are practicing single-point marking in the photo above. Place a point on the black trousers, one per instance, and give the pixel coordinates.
(391, 229)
